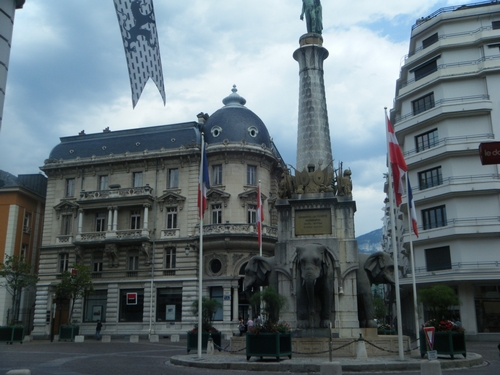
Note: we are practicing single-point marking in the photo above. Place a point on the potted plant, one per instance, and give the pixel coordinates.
(208, 310)
(73, 285)
(270, 338)
(380, 313)
(17, 275)
(449, 337)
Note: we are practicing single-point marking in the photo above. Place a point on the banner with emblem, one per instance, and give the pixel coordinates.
(140, 40)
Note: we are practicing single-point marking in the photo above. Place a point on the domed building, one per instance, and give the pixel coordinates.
(124, 203)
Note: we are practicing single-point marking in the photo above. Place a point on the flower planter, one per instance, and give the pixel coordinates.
(10, 334)
(446, 343)
(192, 340)
(269, 345)
(386, 332)
(68, 332)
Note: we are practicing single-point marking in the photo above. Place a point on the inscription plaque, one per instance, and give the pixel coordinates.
(313, 222)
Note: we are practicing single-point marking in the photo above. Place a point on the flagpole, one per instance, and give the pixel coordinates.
(395, 252)
(200, 270)
(259, 230)
(412, 255)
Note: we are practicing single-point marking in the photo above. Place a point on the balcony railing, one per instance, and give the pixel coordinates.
(422, 20)
(459, 267)
(403, 84)
(460, 223)
(90, 237)
(116, 193)
(237, 229)
(453, 140)
(440, 102)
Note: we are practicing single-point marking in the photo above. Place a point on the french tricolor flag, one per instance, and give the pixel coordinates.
(203, 182)
(413, 210)
(260, 216)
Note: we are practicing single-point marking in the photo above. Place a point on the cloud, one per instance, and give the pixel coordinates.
(68, 73)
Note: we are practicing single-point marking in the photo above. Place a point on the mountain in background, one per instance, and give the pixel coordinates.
(370, 242)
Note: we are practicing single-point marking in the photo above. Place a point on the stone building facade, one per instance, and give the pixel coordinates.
(124, 203)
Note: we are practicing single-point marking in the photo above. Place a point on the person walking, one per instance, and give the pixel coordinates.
(98, 330)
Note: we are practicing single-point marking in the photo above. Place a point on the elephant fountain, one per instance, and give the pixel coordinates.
(376, 268)
(260, 271)
(315, 286)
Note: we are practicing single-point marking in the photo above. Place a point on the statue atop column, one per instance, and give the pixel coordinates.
(313, 13)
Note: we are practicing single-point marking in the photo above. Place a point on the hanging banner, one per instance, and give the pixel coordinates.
(140, 40)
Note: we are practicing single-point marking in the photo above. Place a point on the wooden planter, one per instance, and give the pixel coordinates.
(269, 345)
(446, 343)
(68, 332)
(192, 340)
(10, 334)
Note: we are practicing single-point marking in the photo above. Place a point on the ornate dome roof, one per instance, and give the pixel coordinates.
(235, 123)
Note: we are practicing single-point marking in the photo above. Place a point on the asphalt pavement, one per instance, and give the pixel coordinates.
(121, 357)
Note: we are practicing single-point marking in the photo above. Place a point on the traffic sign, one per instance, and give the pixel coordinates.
(430, 333)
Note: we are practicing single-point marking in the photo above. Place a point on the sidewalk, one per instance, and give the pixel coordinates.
(224, 361)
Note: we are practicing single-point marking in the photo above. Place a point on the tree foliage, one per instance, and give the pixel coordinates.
(439, 300)
(208, 310)
(273, 303)
(18, 275)
(380, 309)
(74, 285)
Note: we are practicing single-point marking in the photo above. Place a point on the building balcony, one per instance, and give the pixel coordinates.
(453, 228)
(225, 229)
(166, 234)
(116, 193)
(487, 270)
(111, 236)
(64, 240)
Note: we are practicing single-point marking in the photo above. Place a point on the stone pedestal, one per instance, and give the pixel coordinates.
(134, 338)
(327, 220)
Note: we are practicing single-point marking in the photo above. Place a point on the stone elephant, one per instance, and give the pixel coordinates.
(315, 286)
(260, 271)
(376, 268)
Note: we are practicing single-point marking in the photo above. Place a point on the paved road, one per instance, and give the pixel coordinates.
(124, 358)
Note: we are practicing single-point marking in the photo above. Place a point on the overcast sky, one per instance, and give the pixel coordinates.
(68, 73)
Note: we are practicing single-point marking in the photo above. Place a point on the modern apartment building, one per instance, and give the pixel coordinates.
(124, 203)
(447, 102)
(22, 206)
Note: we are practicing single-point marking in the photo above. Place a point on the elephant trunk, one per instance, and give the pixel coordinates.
(309, 287)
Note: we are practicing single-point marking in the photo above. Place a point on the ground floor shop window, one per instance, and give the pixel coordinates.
(131, 305)
(216, 292)
(169, 305)
(95, 306)
(488, 308)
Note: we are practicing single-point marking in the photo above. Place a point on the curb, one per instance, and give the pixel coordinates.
(239, 363)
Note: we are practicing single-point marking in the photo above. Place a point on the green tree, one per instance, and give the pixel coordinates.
(438, 299)
(380, 309)
(208, 309)
(74, 285)
(18, 275)
(273, 303)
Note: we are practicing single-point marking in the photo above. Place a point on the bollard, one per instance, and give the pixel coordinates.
(154, 338)
(79, 338)
(134, 338)
(361, 352)
(175, 338)
(210, 346)
(430, 368)
(106, 338)
(331, 368)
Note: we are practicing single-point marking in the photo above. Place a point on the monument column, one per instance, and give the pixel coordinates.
(313, 134)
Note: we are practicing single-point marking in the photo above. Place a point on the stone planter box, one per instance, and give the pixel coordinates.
(269, 345)
(386, 332)
(446, 343)
(10, 334)
(68, 332)
(192, 340)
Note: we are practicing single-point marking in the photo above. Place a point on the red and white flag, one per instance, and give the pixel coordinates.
(203, 181)
(140, 40)
(413, 210)
(398, 164)
(260, 216)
